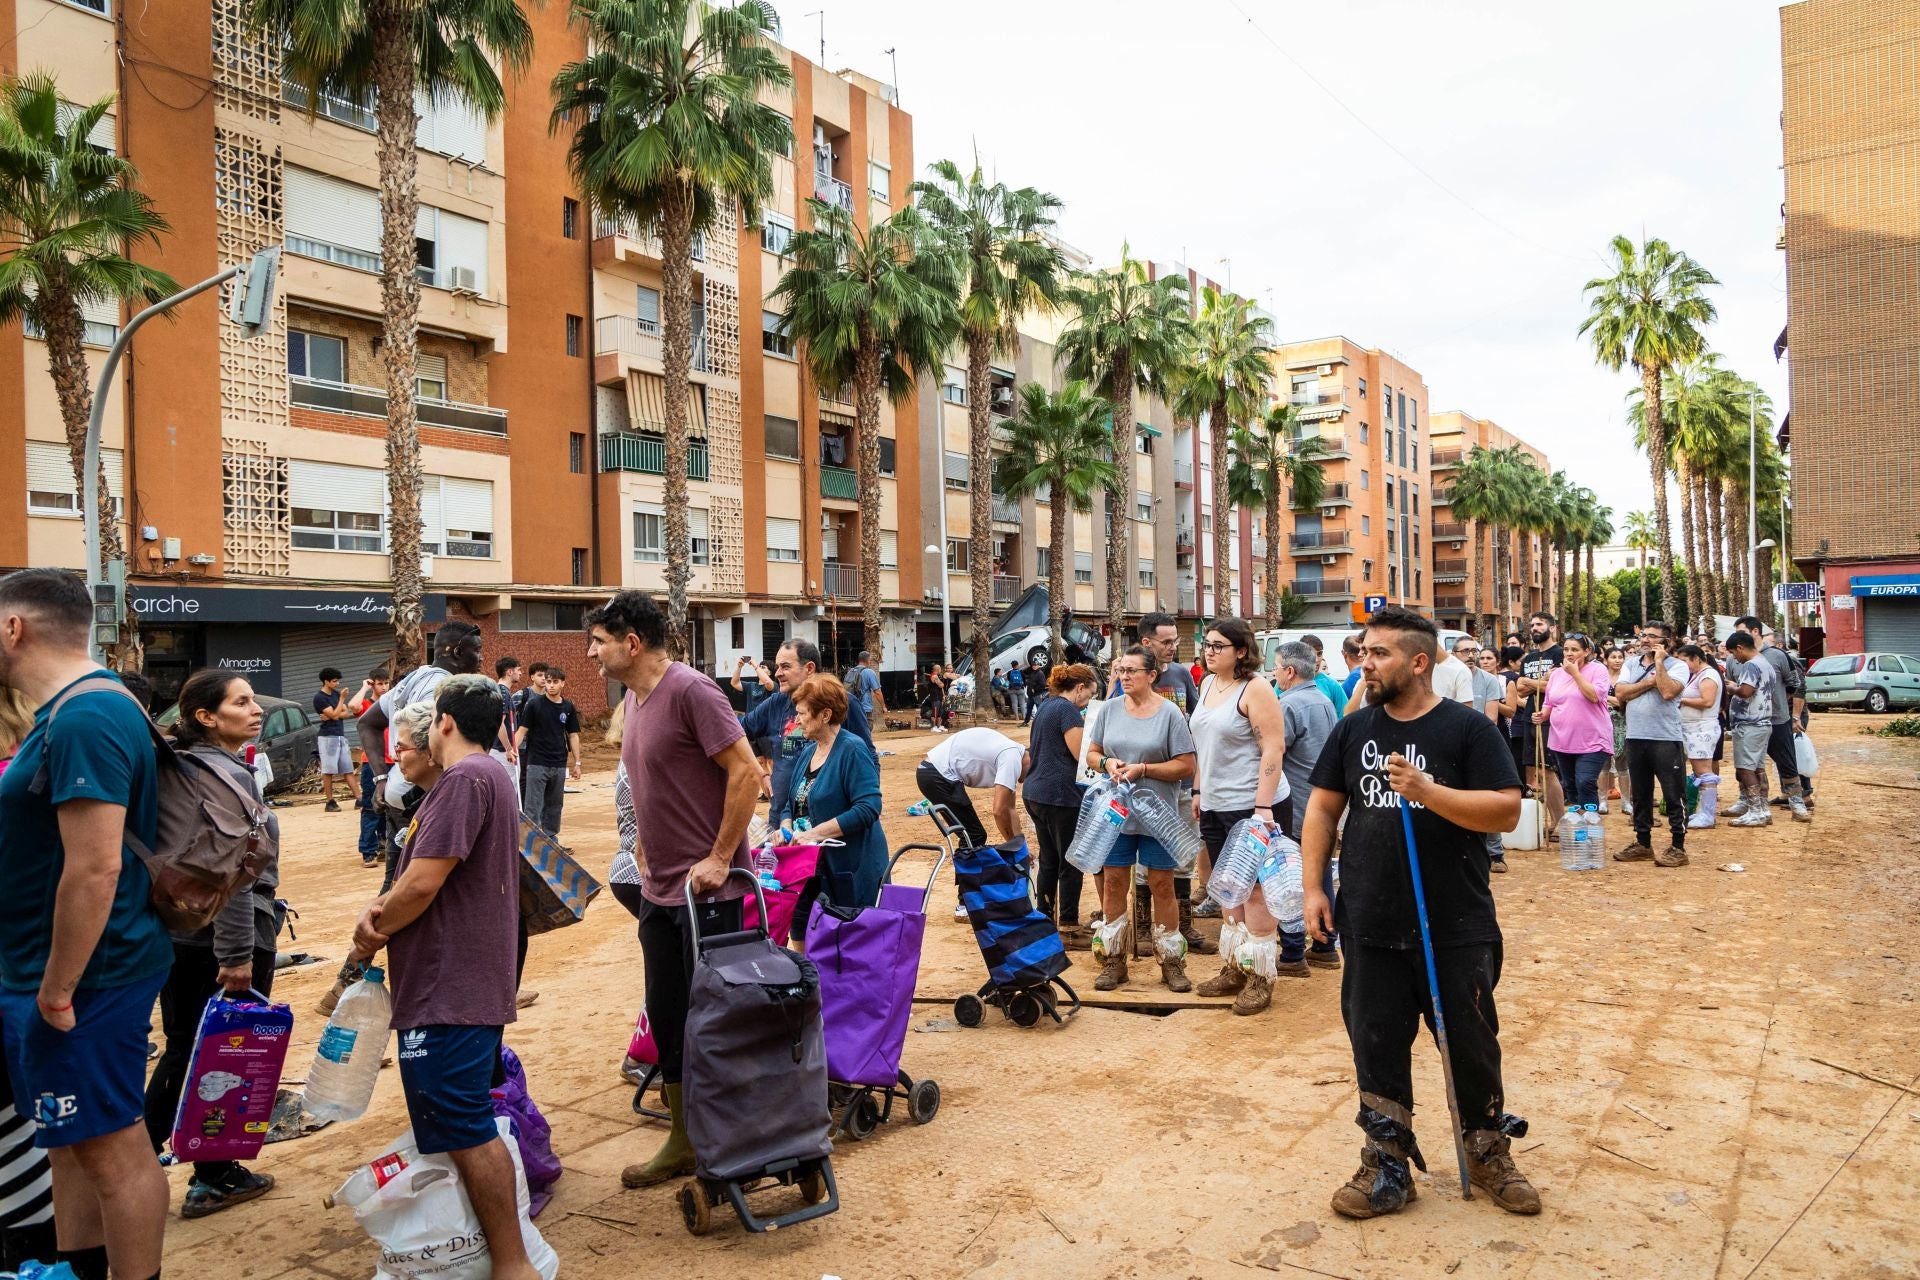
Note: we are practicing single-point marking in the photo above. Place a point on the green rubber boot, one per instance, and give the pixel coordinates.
(675, 1157)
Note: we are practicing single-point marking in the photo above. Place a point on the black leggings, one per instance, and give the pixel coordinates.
(193, 981)
(1057, 891)
(666, 948)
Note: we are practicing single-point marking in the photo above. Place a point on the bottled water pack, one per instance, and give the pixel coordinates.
(1103, 811)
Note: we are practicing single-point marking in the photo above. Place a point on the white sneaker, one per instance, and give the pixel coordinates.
(959, 913)
(1754, 818)
(1603, 807)
(1738, 809)
(1700, 822)
(1798, 808)
(1626, 807)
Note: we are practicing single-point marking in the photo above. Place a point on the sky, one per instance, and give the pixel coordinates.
(1449, 212)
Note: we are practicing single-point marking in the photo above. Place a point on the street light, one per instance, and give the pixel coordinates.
(946, 608)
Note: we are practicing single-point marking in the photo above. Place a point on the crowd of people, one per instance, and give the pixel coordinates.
(451, 758)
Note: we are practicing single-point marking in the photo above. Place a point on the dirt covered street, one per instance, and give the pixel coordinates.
(1682, 1042)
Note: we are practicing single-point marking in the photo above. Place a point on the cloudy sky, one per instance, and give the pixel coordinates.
(1503, 143)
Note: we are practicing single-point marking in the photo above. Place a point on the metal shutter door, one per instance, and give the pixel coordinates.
(304, 650)
(326, 209)
(1892, 624)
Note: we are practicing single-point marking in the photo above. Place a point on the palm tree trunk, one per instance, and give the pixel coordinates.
(1560, 575)
(1480, 584)
(1569, 599)
(1123, 432)
(1643, 584)
(1703, 603)
(867, 420)
(1657, 461)
(979, 496)
(1273, 545)
(1502, 587)
(1222, 511)
(676, 347)
(1743, 542)
(1683, 473)
(1593, 623)
(1056, 568)
(397, 129)
(1730, 571)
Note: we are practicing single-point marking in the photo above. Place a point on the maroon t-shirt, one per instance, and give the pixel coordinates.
(454, 965)
(679, 793)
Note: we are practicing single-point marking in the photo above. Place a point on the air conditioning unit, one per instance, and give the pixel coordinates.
(1326, 371)
(1329, 559)
(463, 279)
(1328, 513)
(1003, 395)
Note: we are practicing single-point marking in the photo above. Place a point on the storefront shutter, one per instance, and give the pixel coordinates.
(352, 649)
(322, 208)
(1892, 624)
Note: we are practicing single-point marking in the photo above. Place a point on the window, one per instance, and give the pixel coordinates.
(1416, 500)
(958, 472)
(1146, 573)
(50, 487)
(569, 217)
(459, 513)
(646, 309)
(1363, 388)
(773, 634)
(1413, 415)
(316, 356)
(1387, 447)
(776, 232)
(783, 438)
(1044, 558)
(91, 6)
(1389, 492)
(1386, 400)
(331, 220)
(700, 548)
(99, 319)
(879, 180)
(1083, 566)
(430, 376)
(340, 508)
(1143, 506)
(575, 326)
(1403, 409)
(579, 567)
(959, 555)
(784, 148)
(649, 534)
(953, 385)
(1363, 480)
(1366, 570)
(453, 250)
(1413, 456)
(773, 340)
(544, 615)
(887, 455)
(448, 125)
(783, 540)
(889, 549)
(577, 452)
(1366, 524)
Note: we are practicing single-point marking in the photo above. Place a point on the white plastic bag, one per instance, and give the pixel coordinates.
(415, 1209)
(1806, 759)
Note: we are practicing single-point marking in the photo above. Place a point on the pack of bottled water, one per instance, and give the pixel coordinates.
(1103, 811)
(1237, 870)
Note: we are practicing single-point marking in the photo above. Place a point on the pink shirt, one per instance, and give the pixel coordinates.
(1579, 726)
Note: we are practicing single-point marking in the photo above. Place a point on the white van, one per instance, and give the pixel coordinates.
(1331, 640)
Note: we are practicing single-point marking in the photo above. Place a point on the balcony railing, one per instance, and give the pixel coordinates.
(1182, 472)
(627, 335)
(1449, 529)
(1183, 537)
(841, 483)
(646, 239)
(637, 451)
(834, 192)
(371, 402)
(1189, 600)
(1445, 457)
(332, 106)
(1259, 548)
(1443, 497)
(1450, 566)
(1005, 510)
(1313, 588)
(1325, 538)
(843, 581)
(1005, 588)
(1311, 399)
(1330, 447)
(1444, 603)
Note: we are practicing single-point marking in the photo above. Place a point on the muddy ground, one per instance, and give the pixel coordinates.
(1663, 1033)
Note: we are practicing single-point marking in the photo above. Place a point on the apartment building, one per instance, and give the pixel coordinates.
(1851, 112)
(1465, 578)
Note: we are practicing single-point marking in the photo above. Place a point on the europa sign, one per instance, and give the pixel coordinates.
(163, 605)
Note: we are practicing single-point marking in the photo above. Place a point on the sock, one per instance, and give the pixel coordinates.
(87, 1264)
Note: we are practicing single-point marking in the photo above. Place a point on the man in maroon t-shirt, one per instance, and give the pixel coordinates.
(451, 926)
(695, 780)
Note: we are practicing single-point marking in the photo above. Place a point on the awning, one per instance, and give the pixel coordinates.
(1144, 429)
(647, 404)
(1320, 413)
(838, 419)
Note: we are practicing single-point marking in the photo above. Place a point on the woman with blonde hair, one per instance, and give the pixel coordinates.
(16, 722)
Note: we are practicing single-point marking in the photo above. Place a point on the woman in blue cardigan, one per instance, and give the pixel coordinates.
(835, 786)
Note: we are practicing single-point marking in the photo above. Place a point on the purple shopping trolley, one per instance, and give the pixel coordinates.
(869, 961)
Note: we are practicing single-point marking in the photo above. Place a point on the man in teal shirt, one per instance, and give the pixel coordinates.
(82, 954)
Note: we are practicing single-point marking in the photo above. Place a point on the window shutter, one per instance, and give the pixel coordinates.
(463, 243)
(426, 223)
(889, 549)
(450, 126)
(322, 208)
(331, 486)
(430, 368)
(697, 523)
(830, 543)
(783, 535)
(48, 470)
(959, 467)
(102, 135)
(433, 524)
(467, 504)
(96, 310)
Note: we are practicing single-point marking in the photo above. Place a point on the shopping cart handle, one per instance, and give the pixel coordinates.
(693, 907)
(939, 853)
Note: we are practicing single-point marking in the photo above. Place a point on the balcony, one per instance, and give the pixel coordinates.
(627, 239)
(842, 484)
(1189, 600)
(833, 191)
(647, 454)
(1259, 547)
(1442, 568)
(345, 111)
(1331, 447)
(837, 402)
(1183, 473)
(1000, 434)
(1445, 458)
(1323, 588)
(1443, 497)
(1005, 510)
(1326, 540)
(1445, 604)
(371, 402)
(1449, 529)
(623, 343)
(1183, 537)
(1316, 398)
(1006, 588)
(843, 581)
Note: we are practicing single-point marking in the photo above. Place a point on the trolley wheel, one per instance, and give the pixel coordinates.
(923, 1102)
(695, 1210)
(968, 1011)
(813, 1187)
(1023, 1009)
(862, 1118)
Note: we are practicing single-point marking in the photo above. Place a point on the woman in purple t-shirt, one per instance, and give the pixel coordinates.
(1579, 730)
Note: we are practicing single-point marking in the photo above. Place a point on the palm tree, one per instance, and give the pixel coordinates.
(1061, 446)
(391, 49)
(1599, 527)
(1125, 336)
(1270, 455)
(1519, 481)
(1649, 313)
(1225, 375)
(1641, 537)
(69, 215)
(1480, 495)
(1008, 266)
(669, 131)
(873, 309)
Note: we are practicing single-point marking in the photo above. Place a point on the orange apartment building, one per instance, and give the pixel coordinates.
(1465, 585)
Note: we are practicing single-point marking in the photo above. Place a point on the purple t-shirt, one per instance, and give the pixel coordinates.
(1577, 725)
(454, 965)
(678, 792)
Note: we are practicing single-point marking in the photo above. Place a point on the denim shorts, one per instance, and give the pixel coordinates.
(1145, 850)
(87, 1082)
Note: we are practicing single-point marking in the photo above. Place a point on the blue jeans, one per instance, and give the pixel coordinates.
(370, 816)
(1580, 775)
(544, 794)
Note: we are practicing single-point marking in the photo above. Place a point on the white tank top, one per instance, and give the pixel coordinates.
(1228, 754)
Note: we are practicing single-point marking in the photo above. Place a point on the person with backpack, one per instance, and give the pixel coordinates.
(219, 716)
(83, 952)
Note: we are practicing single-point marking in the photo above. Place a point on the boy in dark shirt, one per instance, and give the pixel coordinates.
(548, 739)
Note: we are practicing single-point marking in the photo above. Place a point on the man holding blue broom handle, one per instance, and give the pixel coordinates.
(1446, 769)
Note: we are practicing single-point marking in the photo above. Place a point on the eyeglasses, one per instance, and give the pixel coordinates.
(1130, 671)
(1464, 651)
(1212, 646)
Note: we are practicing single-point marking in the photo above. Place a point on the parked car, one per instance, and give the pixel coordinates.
(1330, 639)
(289, 734)
(1871, 681)
(1030, 644)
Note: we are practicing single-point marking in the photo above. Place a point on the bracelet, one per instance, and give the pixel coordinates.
(53, 1008)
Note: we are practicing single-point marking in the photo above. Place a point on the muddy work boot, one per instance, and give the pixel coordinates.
(1171, 951)
(1638, 851)
(1255, 997)
(1384, 1183)
(1197, 942)
(1113, 974)
(1671, 856)
(1490, 1167)
(1231, 977)
(1109, 946)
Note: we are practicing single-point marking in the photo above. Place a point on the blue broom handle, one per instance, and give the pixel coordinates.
(1433, 990)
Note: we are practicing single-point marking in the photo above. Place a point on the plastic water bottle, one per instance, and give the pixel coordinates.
(920, 808)
(766, 867)
(1577, 842)
(1280, 884)
(1237, 870)
(346, 1062)
(1165, 823)
(1596, 837)
(1103, 811)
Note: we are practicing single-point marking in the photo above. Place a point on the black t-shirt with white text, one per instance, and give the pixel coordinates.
(1537, 665)
(547, 724)
(1461, 750)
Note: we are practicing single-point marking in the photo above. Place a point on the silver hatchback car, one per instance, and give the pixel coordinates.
(1870, 681)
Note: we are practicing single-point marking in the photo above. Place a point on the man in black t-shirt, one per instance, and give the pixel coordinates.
(1542, 659)
(549, 743)
(1410, 746)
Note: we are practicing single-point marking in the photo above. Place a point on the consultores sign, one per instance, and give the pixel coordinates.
(161, 606)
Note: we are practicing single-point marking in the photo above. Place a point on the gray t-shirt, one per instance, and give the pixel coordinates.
(1487, 687)
(1309, 719)
(1651, 717)
(1780, 684)
(1155, 739)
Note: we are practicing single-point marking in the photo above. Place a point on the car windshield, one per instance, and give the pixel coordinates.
(1844, 664)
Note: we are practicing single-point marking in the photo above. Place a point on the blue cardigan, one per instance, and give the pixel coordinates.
(847, 788)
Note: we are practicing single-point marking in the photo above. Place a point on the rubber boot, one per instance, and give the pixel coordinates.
(1142, 920)
(1197, 942)
(675, 1157)
(1383, 1183)
(1708, 812)
(1490, 1167)
(1231, 977)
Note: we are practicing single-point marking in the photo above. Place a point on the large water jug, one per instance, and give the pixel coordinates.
(1596, 837)
(1165, 823)
(1103, 811)
(1237, 870)
(1579, 842)
(346, 1062)
(1280, 884)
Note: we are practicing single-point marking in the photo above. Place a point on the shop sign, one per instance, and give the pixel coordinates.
(161, 606)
